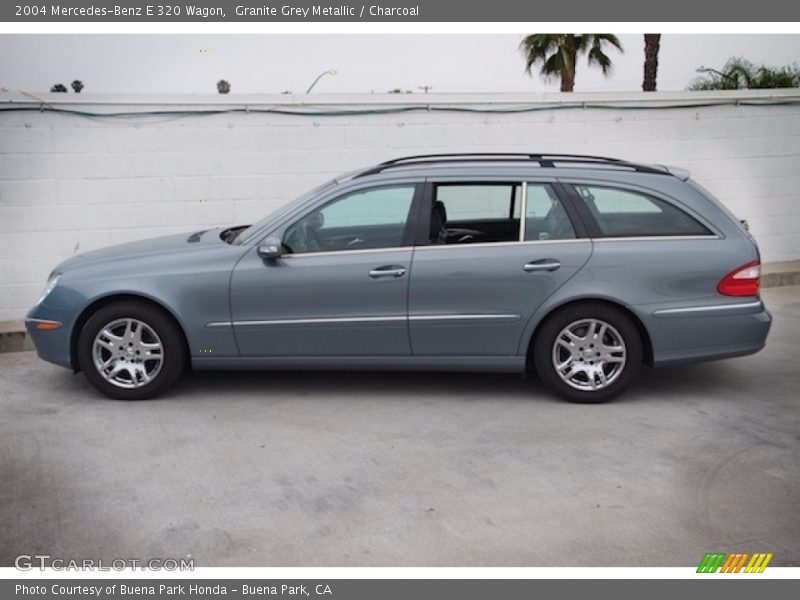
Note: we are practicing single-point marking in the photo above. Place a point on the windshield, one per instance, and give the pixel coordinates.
(278, 212)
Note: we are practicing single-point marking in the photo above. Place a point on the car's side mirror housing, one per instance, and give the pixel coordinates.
(271, 248)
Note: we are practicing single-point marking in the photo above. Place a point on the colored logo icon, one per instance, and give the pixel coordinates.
(714, 562)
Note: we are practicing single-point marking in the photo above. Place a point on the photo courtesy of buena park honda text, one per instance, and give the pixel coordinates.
(421, 299)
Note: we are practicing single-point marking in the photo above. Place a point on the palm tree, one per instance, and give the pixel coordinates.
(223, 87)
(558, 53)
(739, 73)
(781, 77)
(652, 43)
(77, 86)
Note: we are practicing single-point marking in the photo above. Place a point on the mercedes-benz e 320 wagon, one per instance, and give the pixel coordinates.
(578, 268)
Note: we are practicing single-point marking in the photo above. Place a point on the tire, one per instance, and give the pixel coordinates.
(600, 358)
(142, 350)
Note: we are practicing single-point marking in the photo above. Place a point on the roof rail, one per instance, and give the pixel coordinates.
(543, 160)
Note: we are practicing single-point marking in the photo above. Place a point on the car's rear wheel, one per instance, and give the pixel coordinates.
(588, 352)
(131, 350)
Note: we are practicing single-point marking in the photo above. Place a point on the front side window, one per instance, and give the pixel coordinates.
(624, 213)
(361, 220)
(246, 234)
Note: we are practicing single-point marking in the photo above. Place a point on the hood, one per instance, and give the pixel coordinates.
(182, 242)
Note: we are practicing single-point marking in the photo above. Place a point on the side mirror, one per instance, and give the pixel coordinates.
(270, 248)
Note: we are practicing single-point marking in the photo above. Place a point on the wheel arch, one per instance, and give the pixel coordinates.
(102, 301)
(647, 344)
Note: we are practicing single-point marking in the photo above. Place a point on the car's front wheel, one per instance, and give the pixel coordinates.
(131, 350)
(588, 352)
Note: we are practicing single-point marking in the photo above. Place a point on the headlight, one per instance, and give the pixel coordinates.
(51, 283)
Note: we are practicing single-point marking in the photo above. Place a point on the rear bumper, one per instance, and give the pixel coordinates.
(725, 331)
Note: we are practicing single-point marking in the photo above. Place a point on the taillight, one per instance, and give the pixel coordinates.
(743, 281)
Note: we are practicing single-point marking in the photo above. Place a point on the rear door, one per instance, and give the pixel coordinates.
(506, 246)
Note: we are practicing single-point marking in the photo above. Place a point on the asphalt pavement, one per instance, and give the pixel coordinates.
(408, 469)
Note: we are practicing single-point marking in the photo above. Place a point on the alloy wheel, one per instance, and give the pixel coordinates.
(127, 353)
(589, 354)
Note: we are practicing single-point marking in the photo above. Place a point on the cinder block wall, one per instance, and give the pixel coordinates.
(72, 183)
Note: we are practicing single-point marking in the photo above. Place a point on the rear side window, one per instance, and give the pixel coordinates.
(545, 217)
(475, 213)
(624, 213)
(476, 202)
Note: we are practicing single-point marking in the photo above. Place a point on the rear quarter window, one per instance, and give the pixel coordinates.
(625, 213)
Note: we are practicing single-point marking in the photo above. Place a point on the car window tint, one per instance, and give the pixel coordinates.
(253, 229)
(475, 213)
(478, 202)
(624, 213)
(545, 217)
(372, 218)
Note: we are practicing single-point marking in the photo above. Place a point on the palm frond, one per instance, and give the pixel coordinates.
(537, 47)
(597, 56)
(608, 38)
(557, 53)
(553, 66)
(740, 73)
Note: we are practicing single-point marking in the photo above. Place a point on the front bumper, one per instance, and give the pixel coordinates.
(52, 344)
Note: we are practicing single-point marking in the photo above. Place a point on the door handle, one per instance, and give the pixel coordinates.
(387, 271)
(545, 264)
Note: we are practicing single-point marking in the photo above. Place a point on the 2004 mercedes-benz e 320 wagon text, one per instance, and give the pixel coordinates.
(580, 268)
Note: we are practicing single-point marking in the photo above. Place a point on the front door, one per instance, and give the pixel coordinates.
(341, 286)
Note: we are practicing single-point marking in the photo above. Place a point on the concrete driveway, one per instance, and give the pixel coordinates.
(332, 469)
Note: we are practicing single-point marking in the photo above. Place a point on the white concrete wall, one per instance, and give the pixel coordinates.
(72, 183)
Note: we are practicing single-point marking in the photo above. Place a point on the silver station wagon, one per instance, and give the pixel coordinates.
(578, 268)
